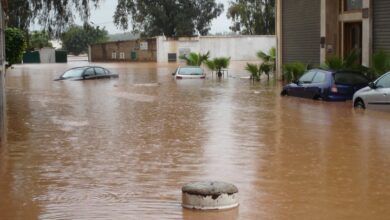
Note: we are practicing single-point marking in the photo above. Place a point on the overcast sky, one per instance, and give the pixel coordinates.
(103, 17)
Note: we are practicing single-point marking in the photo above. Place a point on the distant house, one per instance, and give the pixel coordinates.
(3, 7)
(309, 31)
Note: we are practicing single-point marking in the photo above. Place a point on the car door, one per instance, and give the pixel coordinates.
(379, 98)
(89, 74)
(100, 73)
(313, 90)
(304, 83)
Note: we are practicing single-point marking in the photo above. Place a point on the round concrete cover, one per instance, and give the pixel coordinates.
(209, 188)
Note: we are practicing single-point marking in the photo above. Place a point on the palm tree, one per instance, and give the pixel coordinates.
(268, 58)
(266, 68)
(195, 59)
(217, 64)
(254, 70)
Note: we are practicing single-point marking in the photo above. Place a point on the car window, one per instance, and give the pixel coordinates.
(319, 78)
(349, 78)
(307, 77)
(73, 73)
(190, 71)
(89, 72)
(384, 82)
(100, 71)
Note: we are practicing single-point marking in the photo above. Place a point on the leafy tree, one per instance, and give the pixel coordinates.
(169, 17)
(252, 16)
(217, 64)
(76, 39)
(195, 59)
(38, 39)
(54, 15)
(15, 45)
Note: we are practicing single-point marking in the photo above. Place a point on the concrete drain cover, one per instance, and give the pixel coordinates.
(209, 196)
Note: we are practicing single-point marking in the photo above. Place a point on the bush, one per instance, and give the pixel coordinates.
(380, 63)
(293, 71)
(15, 45)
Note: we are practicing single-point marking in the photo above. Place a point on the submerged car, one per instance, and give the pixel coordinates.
(326, 85)
(375, 96)
(189, 72)
(87, 73)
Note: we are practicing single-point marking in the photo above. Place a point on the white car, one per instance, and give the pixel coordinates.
(376, 96)
(189, 72)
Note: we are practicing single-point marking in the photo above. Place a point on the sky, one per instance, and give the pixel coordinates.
(103, 18)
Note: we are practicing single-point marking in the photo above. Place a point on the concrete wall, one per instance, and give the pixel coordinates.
(239, 48)
(47, 55)
(144, 50)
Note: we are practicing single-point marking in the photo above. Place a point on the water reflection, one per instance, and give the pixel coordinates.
(122, 148)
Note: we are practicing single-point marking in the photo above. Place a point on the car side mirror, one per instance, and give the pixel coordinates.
(372, 85)
(296, 82)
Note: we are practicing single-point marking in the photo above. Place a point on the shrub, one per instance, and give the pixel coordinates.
(293, 71)
(15, 45)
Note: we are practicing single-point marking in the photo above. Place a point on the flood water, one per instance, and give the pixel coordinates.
(123, 148)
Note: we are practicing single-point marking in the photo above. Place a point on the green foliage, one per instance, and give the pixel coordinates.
(172, 18)
(293, 71)
(252, 16)
(380, 63)
(39, 39)
(15, 45)
(218, 64)
(348, 63)
(195, 59)
(54, 16)
(266, 69)
(254, 70)
(76, 39)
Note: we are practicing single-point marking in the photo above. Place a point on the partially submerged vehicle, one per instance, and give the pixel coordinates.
(87, 73)
(189, 72)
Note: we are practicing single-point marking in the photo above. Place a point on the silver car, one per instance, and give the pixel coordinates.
(375, 96)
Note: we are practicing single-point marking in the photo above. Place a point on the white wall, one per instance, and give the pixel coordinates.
(47, 55)
(239, 48)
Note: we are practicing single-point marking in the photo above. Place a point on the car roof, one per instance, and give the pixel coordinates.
(190, 67)
(85, 67)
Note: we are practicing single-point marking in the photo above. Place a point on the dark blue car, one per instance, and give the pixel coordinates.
(326, 85)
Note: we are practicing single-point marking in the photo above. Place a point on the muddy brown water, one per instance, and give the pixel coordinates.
(123, 148)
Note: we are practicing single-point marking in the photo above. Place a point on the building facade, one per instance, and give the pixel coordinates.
(3, 7)
(131, 50)
(310, 31)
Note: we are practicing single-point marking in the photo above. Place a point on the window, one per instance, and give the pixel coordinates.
(319, 78)
(122, 55)
(348, 78)
(351, 5)
(308, 77)
(100, 72)
(89, 72)
(73, 73)
(190, 71)
(113, 55)
(384, 82)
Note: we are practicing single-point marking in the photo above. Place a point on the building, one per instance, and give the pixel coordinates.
(130, 50)
(3, 7)
(162, 50)
(309, 31)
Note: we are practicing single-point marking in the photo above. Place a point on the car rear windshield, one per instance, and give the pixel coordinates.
(73, 73)
(350, 78)
(190, 71)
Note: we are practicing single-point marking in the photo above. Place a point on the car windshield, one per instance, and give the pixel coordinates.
(349, 78)
(73, 73)
(191, 71)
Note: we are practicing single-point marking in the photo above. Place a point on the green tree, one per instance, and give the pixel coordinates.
(38, 39)
(217, 64)
(54, 15)
(195, 59)
(15, 45)
(76, 39)
(171, 18)
(252, 16)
